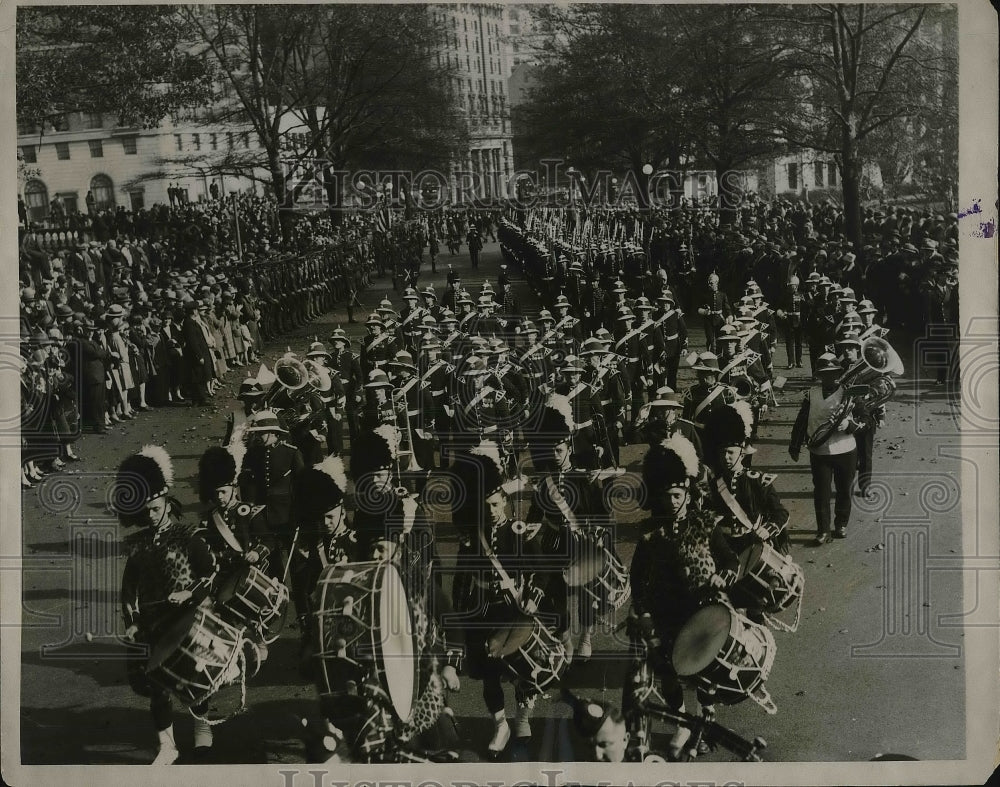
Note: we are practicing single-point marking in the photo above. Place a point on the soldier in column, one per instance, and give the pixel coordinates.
(376, 348)
(707, 392)
(629, 345)
(715, 311)
(347, 368)
(610, 391)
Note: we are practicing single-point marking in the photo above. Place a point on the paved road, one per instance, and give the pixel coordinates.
(869, 670)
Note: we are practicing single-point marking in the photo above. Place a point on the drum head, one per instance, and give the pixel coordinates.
(396, 642)
(749, 558)
(585, 569)
(507, 640)
(171, 638)
(701, 639)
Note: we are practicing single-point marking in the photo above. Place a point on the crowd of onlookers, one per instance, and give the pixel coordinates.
(154, 307)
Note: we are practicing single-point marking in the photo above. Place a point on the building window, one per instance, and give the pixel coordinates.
(92, 120)
(793, 177)
(818, 176)
(246, 140)
(213, 141)
(179, 142)
(36, 197)
(465, 27)
(137, 200)
(832, 169)
(467, 66)
(196, 140)
(62, 150)
(30, 154)
(229, 139)
(69, 199)
(104, 192)
(96, 148)
(129, 145)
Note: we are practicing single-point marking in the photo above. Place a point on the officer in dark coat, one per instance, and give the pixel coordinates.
(267, 478)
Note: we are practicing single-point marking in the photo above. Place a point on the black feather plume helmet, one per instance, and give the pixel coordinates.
(725, 426)
(142, 477)
(216, 467)
(320, 488)
(669, 463)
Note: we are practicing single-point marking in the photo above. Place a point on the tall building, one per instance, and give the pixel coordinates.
(477, 50)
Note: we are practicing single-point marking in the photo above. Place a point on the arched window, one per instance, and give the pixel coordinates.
(36, 197)
(104, 192)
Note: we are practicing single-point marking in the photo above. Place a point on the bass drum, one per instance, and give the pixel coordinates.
(363, 634)
(726, 654)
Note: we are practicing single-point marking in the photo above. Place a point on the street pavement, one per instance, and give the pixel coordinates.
(873, 667)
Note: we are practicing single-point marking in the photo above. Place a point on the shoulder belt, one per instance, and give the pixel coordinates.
(708, 400)
(560, 502)
(477, 399)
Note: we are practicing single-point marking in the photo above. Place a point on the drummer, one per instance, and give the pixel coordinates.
(747, 501)
(170, 569)
(679, 566)
(505, 591)
(236, 531)
(570, 506)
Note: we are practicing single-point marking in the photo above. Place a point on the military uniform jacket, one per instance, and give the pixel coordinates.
(610, 393)
(347, 368)
(584, 402)
(564, 502)
(633, 349)
(700, 399)
(757, 497)
(376, 351)
(674, 331)
(267, 479)
(653, 340)
(482, 414)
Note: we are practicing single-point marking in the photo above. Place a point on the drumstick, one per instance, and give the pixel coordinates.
(288, 563)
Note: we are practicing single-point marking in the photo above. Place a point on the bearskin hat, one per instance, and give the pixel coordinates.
(217, 467)
(725, 426)
(672, 462)
(320, 488)
(487, 460)
(376, 450)
(141, 477)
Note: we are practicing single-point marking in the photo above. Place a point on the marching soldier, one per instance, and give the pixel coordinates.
(708, 392)
(436, 380)
(791, 313)
(716, 310)
(609, 392)
(675, 337)
(629, 345)
(377, 348)
(346, 367)
(653, 341)
(747, 500)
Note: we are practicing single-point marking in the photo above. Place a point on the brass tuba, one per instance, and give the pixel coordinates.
(872, 373)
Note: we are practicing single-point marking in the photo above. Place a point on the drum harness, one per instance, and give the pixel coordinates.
(757, 528)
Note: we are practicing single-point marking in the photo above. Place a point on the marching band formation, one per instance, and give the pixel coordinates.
(321, 499)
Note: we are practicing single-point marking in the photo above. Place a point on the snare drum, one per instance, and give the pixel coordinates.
(610, 589)
(540, 659)
(363, 632)
(254, 599)
(196, 656)
(772, 580)
(727, 654)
